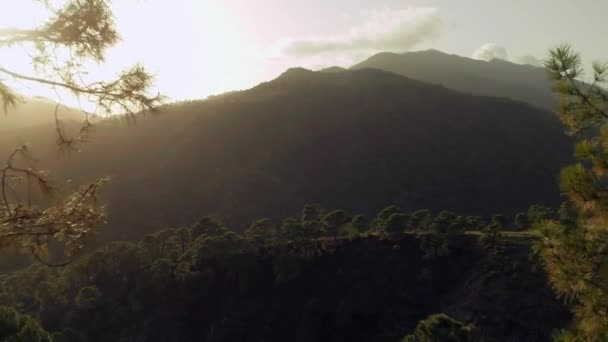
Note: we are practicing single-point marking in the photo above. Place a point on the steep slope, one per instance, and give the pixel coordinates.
(494, 78)
(32, 111)
(357, 140)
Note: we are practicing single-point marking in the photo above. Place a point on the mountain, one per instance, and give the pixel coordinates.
(34, 111)
(494, 78)
(357, 140)
(333, 69)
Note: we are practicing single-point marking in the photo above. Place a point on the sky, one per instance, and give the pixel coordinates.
(201, 47)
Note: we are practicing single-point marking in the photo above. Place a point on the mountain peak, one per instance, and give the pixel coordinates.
(500, 61)
(428, 52)
(296, 72)
(494, 78)
(333, 69)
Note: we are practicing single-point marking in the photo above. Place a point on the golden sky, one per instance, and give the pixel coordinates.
(202, 47)
(191, 46)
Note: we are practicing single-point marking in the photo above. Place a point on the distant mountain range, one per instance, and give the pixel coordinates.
(494, 78)
(355, 139)
(34, 111)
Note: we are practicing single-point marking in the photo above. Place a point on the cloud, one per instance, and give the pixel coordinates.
(529, 60)
(490, 51)
(381, 30)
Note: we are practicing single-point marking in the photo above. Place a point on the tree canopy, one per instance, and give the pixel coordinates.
(441, 327)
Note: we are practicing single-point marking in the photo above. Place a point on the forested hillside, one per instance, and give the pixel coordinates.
(468, 210)
(295, 282)
(353, 139)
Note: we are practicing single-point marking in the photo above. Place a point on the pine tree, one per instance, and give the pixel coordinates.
(573, 247)
(60, 47)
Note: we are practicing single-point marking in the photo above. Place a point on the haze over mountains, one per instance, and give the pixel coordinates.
(34, 111)
(494, 78)
(352, 139)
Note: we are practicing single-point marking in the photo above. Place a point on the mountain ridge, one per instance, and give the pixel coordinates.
(380, 138)
(494, 78)
(355, 139)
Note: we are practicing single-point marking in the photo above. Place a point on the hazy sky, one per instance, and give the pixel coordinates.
(202, 47)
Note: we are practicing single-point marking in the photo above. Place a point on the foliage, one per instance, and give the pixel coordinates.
(88, 298)
(473, 223)
(79, 32)
(567, 215)
(294, 230)
(501, 221)
(311, 212)
(434, 245)
(60, 47)
(207, 226)
(334, 220)
(220, 288)
(521, 221)
(359, 223)
(380, 220)
(421, 219)
(69, 221)
(220, 244)
(443, 222)
(491, 238)
(261, 232)
(395, 224)
(15, 327)
(259, 154)
(537, 213)
(441, 327)
(573, 246)
(459, 224)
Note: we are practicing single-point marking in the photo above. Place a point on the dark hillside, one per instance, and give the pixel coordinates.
(352, 139)
(361, 290)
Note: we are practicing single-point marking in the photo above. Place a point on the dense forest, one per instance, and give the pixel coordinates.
(469, 211)
(322, 276)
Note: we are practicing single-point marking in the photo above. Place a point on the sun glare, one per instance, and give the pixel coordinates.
(193, 47)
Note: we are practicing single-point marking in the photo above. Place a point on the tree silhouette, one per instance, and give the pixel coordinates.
(261, 232)
(441, 327)
(208, 225)
(359, 223)
(311, 212)
(421, 219)
(500, 221)
(396, 224)
(537, 213)
(333, 220)
(293, 230)
(443, 221)
(15, 327)
(521, 221)
(78, 33)
(383, 216)
(473, 223)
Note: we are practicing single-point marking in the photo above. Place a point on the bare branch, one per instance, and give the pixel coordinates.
(60, 49)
